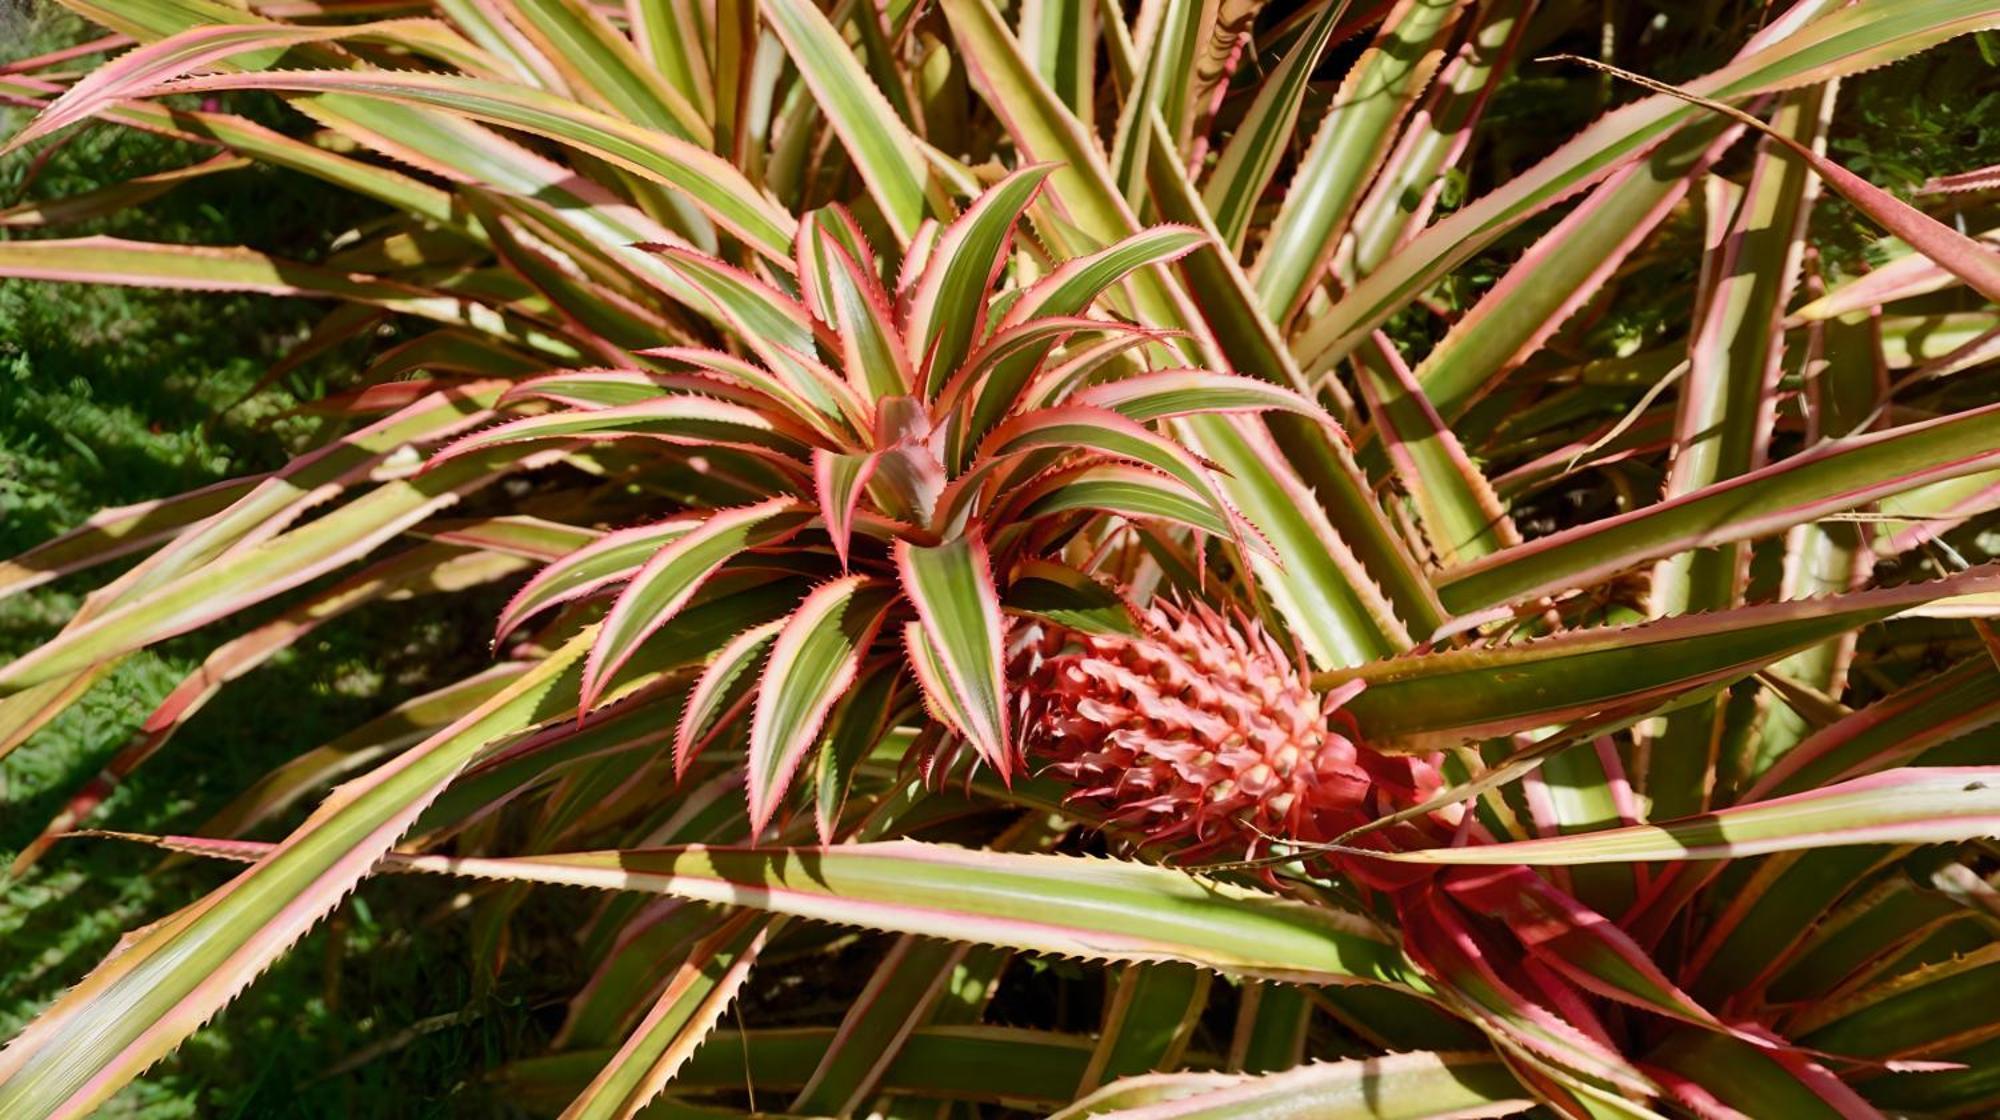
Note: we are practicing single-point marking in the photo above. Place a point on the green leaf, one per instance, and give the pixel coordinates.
(1087, 907)
(901, 990)
(265, 569)
(1060, 594)
(1828, 478)
(669, 579)
(1127, 491)
(1148, 1017)
(1853, 39)
(882, 147)
(594, 57)
(947, 309)
(812, 664)
(1347, 149)
(721, 692)
(711, 182)
(696, 996)
(952, 587)
(1911, 806)
(1253, 152)
(1441, 699)
(1418, 1086)
(158, 988)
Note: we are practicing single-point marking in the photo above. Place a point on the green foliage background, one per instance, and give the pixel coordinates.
(110, 396)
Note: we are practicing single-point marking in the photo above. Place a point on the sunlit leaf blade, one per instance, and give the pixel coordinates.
(688, 419)
(947, 310)
(1969, 260)
(669, 579)
(720, 692)
(715, 185)
(1030, 902)
(610, 558)
(1441, 699)
(813, 662)
(952, 588)
(1166, 393)
(1831, 477)
(278, 564)
(1856, 38)
(881, 146)
(1910, 806)
(137, 71)
(1346, 149)
(1127, 491)
(140, 1004)
(113, 533)
(1094, 908)
(694, 1001)
(1252, 155)
(1418, 1086)
(838, 481)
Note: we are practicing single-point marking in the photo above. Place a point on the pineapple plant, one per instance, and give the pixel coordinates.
(1437, 622)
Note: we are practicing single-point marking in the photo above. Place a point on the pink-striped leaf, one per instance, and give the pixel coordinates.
(1929, 805)
(669, 580)
(947, 310)
(952, 587)
(838, 482)
(872, 349)
(139, 71)
(533, 538)
(721, 692)
(1432, 700)
(691, 420)
(772, 325)
(1969, 260)
(255, 572)
(1413, 1086)
(812, 663)
(1098, 909)
(710, 181)
(824, 234)
(426, 569)
(1982, 179)
(1135, 492)
(1903, 278)
(1079, 427)
(616, 388)
(1163, 394)
(700, 990)
(167, 980)
(610, 558)
(735, 371)
(113, 533)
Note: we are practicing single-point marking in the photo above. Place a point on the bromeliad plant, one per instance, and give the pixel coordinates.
(964, 552)
(942, 445)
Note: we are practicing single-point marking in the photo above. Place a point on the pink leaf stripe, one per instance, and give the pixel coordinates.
(1965, 258)
(670, 579)
(1924, 805)
(712, 703)
(812, 663)
(839, 481)
(952, 588)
